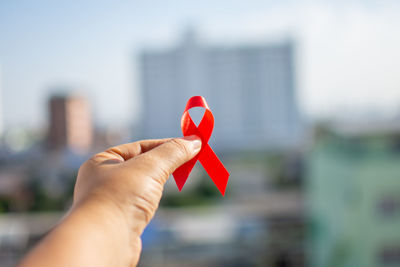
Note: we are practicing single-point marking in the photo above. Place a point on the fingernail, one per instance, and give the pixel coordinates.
(195, 141)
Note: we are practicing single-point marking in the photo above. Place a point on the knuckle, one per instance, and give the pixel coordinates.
(181, 147)
(165, 172)
(96, 159)
(156, 169)
(146, 206)
(116, 152)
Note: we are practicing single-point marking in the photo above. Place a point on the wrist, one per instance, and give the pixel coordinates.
(122, 215)
(108, 221)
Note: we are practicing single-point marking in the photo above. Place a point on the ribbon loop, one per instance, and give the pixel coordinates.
(207, 157)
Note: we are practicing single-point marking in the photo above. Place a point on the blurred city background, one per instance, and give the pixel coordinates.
(306, 99)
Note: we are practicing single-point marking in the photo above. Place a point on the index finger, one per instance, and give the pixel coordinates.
(127, 151)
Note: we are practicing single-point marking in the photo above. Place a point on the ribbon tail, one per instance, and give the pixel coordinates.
(214, 167)
(182, 173)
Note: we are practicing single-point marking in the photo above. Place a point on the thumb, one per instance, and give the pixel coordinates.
(162, 161)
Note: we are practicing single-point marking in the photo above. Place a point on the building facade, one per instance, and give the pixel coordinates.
(250, 90)
(70, 124)
(353, 192)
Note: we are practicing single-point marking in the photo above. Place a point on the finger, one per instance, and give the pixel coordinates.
(161, 161)
(127, 151)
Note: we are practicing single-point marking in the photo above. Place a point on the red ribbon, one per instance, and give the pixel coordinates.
(210, 162)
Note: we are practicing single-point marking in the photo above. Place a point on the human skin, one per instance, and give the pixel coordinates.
(116, 195)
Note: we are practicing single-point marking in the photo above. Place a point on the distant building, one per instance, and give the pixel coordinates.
(353, 192)
(250, 89)
(70, 124)
(1, 102)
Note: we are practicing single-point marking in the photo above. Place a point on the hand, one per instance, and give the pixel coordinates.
(116, 194)
(129, 179)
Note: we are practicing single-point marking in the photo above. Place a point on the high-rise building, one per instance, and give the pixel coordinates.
(70, 123)
(250, 90)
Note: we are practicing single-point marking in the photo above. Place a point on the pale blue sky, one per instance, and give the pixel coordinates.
(347, 55)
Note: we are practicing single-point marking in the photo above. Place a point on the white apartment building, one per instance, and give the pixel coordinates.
(250, 90)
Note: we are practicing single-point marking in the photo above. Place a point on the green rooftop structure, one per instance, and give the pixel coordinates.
(353, 197)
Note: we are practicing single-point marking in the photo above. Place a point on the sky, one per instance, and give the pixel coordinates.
(347, 53)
